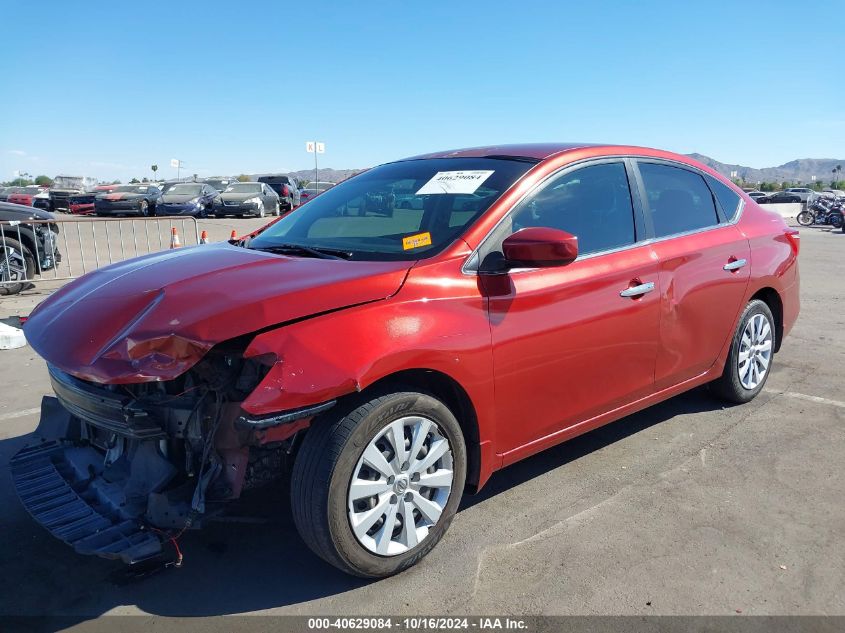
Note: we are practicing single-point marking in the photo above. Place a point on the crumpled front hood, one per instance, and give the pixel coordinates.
(154, 317)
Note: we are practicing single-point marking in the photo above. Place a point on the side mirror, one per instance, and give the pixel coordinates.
(540, 247)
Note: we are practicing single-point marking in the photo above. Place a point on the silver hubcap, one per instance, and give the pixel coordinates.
(755, 351)
(12, 265)
(400, 486)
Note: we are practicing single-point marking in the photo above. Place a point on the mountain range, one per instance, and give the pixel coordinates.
(800, 170)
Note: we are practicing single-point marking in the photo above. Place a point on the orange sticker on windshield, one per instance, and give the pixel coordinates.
(415, 241)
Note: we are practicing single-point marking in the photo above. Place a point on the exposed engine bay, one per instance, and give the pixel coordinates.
(116, 470)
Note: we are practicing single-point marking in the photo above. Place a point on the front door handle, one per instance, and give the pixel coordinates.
(735, 265)
(637, 291)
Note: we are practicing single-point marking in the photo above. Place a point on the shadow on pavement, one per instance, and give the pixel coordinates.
(232, 568)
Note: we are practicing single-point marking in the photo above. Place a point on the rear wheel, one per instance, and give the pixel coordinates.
(836, 221)
(750, 357)
(376, 485)
(16, 265)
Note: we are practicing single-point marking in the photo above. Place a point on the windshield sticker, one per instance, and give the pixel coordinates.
(455, 182)
(416, 241)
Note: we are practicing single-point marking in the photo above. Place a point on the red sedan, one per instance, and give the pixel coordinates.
(395, 356)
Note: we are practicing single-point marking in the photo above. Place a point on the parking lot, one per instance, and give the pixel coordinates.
(687, 507)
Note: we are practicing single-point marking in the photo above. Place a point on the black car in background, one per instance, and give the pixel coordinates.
(187, 198)
(26, 249)
(128, 199)
(780, 197)
(247, 198)
(285, 187)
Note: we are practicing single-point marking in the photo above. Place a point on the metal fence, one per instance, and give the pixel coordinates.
(65, 248)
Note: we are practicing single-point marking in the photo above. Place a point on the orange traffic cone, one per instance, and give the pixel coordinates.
(204, 237)
(234, 235)
(174, 238)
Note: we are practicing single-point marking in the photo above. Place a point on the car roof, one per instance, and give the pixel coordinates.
(537, 152)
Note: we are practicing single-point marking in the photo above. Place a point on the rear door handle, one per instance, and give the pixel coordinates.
(636, 291)
(735, 265)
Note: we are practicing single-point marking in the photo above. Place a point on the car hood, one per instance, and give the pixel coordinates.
(121, 195)
(176, 198)
(239, 197)
(10, 211)
(154, 317)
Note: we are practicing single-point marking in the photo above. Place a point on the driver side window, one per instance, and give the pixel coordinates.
(593, 203)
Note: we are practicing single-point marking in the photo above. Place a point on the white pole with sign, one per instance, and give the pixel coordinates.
(315, 147)
(175, 162)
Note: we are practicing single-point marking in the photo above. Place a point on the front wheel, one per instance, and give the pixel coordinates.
(144, 209)
(17, 266)
(377, 483)
(261, 212)
(805, 218)
(750, 356)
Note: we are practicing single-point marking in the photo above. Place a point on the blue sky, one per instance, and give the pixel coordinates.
(108, 88)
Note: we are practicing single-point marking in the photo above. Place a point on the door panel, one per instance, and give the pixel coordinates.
(567, 346)
(700, 300)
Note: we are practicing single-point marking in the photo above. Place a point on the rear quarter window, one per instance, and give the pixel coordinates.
(728, 198)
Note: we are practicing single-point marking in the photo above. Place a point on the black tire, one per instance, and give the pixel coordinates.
(836, 221)
(325, 465)
(28, 262)
(202, 213)
(144, 209)
(728, 385)
(805, 218)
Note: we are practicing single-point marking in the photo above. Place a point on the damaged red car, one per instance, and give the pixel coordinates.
(390, 358)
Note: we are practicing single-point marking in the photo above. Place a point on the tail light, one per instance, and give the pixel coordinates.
(285, 191)
(794, 238)
(305, 195)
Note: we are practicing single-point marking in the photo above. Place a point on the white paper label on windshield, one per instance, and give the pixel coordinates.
(455, 182)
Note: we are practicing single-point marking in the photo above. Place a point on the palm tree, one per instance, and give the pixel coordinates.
(838, 170)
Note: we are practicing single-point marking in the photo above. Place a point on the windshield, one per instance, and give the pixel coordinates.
(131, 189)
(401, 211)
(244, 187)
(220, 185)
(193, 190)
(67, 182)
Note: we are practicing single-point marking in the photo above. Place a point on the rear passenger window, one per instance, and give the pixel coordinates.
(679, 200)
(727, 197)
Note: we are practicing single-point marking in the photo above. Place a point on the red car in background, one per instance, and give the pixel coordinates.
(396, 358)
(26, 196)
(83, 203)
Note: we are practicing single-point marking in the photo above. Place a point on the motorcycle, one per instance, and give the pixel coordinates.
(822, 211)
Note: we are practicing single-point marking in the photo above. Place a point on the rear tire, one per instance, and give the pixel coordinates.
(20, 263)
(747, 355)
(836, 221)
(331, 459)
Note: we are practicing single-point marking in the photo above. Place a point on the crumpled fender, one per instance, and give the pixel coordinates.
(336, 354)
